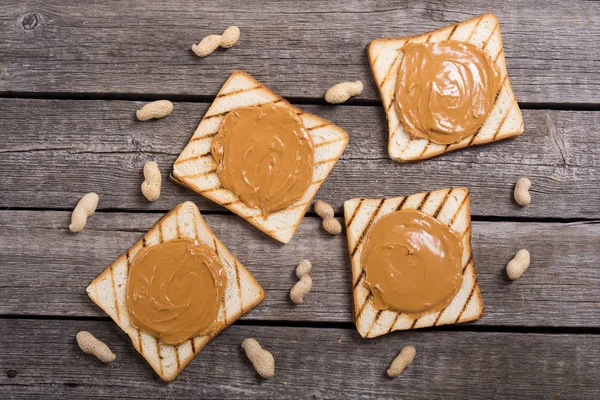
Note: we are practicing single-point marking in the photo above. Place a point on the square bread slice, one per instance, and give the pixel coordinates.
(504, 121)
(451, 207)
(196, 169)
(108, 290)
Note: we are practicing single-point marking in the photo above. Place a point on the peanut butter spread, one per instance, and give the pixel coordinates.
(446, 90)
(412, 262)
(265, 156)
(175, 290)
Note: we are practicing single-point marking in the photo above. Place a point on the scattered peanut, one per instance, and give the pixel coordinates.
(518, 265)
(85, 208)
(341, 92)
(402, 360)
(325, 211)
(522, 196)
(154, 110)
(263, 361)
(152, 181)
(303, 286)
(90, 345)
(211, 42)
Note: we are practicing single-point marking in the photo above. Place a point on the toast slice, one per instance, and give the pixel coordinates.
(108, 290)
(451, 207)
(196, 169)
(505, 119)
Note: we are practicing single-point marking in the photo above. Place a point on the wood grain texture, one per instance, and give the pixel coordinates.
(299, 48)
(58, 150)
(44, 269)
(309, 363)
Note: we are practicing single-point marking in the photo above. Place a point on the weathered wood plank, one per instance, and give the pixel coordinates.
(44, 269)
(310, 363)
(54, 151)
(300, 48)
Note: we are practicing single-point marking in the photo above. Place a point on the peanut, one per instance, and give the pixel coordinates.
(341, 92)
(263, 361)
(90, 345)
(402, 360)
(518, 265)
(152, 181)
(154, 110)
(211, 42)
(330, 224)
(303, 286)
(84, 208)
(522, 196)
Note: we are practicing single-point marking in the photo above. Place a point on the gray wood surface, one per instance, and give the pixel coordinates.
(297, 47)
(45, 268)
(310, 363)
(540, 335)
(60, 149)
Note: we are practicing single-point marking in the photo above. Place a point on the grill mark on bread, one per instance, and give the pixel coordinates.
(367, 227)
(387, 74)
(224, 302)
(394, 322)
(438, 316)
(367, 299)
(423, 201)
(441, 206)
(325, 143)
(414, 323)
(429, 37)
(469, 261)
(160, 358)
(424, 149)
(318, 126)
(201, 174)
(354, 214)
(499, 53)
(374, 323)
(237, 91)
(204, 136)
(239, 286)
(160, 233)
(193, 346)
(402, 202)
(474, 29)
(458, 210)
(452, 31)
(468, 300)
(177, 224)
(177, 358)
(334, 159)
(221, 114)
(140, 342)
(490, 37)
(114, 289)
(504, 120)
(361, 275)
(230, 203)
(378, 53)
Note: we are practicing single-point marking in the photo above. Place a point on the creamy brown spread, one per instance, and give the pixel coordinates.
(175, 289)
(446, 90)
(265, 156)
(412, 262)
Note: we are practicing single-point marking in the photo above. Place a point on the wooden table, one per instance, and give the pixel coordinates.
(71, 78)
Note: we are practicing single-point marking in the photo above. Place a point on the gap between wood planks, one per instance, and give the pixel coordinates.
(312, 214)
(183, 98)
(550, 330)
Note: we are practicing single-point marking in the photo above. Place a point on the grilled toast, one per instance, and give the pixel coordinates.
(108, 290)
(449, 206)
(196, 169)
(505, 119)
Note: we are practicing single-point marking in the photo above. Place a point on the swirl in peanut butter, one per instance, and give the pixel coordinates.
(175, 289)
(412, 262)
(264, 156)
(446, 90)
